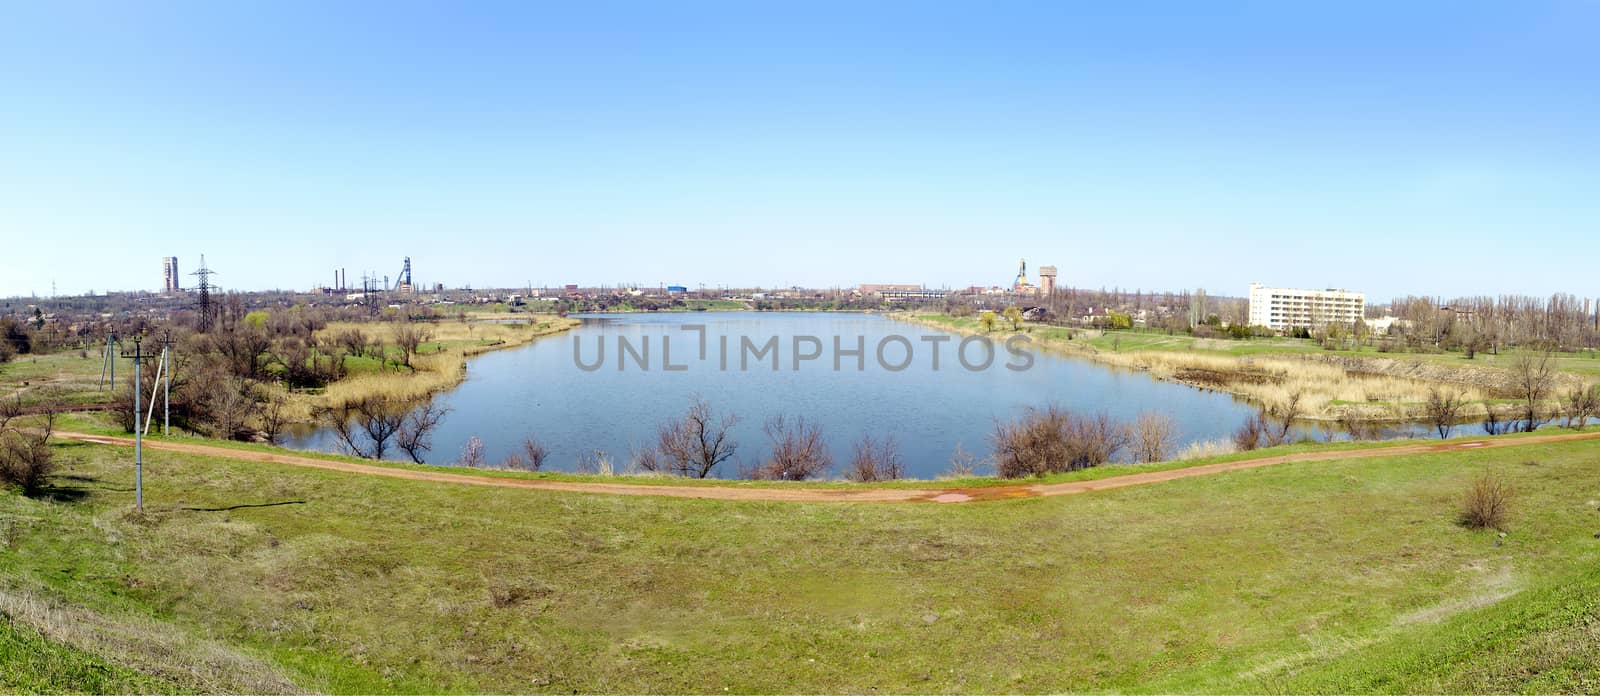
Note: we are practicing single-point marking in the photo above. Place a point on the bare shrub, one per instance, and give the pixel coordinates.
(1152, 437)
(1358, 426)
(1444, 409)
(415, 437)
(963, 464)
(1052, 440)
(875, 460)
(695, 445)
(1253, 434)
(1487, 502)
(472, 454)
(25, 457)
(595, 463)
(529, 456)
(798, 451)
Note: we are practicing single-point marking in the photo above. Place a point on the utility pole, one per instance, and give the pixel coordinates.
(138, 434)
(166, 387)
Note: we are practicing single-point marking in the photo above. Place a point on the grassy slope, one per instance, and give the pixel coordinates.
(1318, 576)
(30, 663)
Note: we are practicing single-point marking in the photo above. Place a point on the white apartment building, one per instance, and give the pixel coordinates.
(1285, 308)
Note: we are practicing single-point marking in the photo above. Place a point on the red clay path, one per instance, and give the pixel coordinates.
(828, 495)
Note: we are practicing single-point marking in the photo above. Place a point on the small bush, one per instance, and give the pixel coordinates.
(963, 464)
(1255, 433)
(876, 460)
(1153, 434)
(25, 458)
(472, 454)
(1487, 502)
(1052, 440)
(530, 457)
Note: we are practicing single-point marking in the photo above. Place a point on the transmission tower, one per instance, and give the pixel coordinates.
(207, 310)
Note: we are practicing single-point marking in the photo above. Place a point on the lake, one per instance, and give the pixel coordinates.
(580, 402)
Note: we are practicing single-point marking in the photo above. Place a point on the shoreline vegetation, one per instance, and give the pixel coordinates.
(1269, 373)
(439, 364)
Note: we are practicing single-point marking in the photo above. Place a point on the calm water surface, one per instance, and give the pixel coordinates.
(540, 389)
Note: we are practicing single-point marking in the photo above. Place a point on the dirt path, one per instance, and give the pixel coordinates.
(827, 495)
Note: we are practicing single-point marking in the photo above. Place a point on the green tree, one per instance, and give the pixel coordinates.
(987, 320)
(1013, 315)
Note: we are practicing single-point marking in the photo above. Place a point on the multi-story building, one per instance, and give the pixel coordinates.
(169, 275)
(1282, 309)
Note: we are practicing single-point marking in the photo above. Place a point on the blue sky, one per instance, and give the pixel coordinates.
(1412, 147)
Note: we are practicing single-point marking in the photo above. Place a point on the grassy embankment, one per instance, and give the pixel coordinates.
(1329, 576)
(1385, 386)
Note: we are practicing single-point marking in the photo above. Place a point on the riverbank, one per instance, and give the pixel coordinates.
(1270, 374)
(439, 365)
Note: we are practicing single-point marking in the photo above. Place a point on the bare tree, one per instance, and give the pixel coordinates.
(798, 451)
(471, 454)
(409, 337)
(365, 427)
(529, 456)
(415, 437)
(1286, 412)
(1444, 409)
(272, 416)
(1533, 375)
(876, 460)
(1152, 437)
(697, 444)
(353, 341)
(1580, 404)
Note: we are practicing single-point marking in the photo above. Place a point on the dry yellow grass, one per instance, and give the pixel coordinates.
(441, 366)
(1325, 390)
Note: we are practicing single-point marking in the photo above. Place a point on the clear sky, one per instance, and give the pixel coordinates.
(1392, 147)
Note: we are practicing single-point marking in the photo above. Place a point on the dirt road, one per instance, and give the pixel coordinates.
(800, 493)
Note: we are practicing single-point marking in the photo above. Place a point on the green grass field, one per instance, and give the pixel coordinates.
(1331, 576)
(31, 663)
